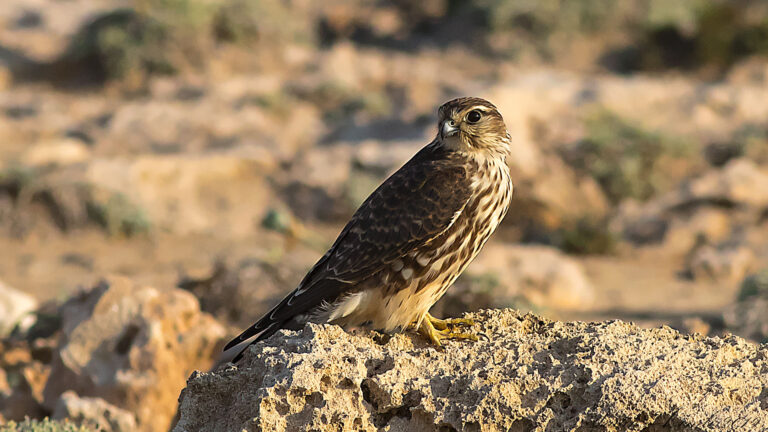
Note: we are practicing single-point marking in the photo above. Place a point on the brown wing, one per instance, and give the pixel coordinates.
(414, 205)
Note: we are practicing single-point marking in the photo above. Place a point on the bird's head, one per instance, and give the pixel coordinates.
(472, 124)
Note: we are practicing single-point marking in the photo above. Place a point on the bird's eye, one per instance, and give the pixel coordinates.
(473, 116)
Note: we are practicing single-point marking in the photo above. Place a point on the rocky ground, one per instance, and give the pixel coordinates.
(201, 150)
(527, 374)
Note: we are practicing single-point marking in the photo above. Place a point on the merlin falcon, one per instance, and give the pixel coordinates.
(412, 237)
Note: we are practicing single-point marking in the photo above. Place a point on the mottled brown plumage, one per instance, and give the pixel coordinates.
(415, 234)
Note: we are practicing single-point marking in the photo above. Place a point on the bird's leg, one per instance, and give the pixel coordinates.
(442, 324)
(431, 332)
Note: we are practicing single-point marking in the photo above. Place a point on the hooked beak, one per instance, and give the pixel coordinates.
(449, 128)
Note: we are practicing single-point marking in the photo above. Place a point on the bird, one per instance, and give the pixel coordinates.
(411, 238)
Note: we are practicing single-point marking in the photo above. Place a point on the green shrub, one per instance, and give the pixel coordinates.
(123, 42)
(712, 37)
(152, 37)
(627, 161)
(16, 178)
(45, 425)
(755, 285)
(586, 236)
(707, 35)
(118, 215)
(544, 17)
(753, 141)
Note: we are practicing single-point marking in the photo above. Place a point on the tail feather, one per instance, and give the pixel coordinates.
(299, 301)
(250, 332)
(267, 332)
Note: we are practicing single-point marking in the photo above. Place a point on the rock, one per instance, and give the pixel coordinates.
(707, 205)
(132, 346)
(59, 152)
(753, 70)
(94, 411)
(14, 307)
(6, 77)
(708, 224)
(529, 374)
(553, 198)
(326, 167)
(542, 275)
(548, 193)
(5, 388)
(694, 325)
(725, 263)
(188, 194)
(381, 158)
(740, 182)
(22, 394)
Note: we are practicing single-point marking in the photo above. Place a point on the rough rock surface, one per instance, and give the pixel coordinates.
(132, 346)
(529, 374)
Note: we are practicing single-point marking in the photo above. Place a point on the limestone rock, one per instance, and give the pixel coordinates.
(64, 151)
(5, 389)
(94, 411)
(737, 192)
(187, 194)
(22, 380)
(14, 306)
(132, 346)
(529, 374)
(740, 182)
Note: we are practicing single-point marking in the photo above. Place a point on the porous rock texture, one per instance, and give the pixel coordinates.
(525, 374)
(132, 346)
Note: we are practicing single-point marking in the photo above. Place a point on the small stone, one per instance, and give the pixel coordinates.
(14, 307)
(66, 151)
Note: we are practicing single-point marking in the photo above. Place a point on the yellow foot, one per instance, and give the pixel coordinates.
(442, 324)
(427, 328)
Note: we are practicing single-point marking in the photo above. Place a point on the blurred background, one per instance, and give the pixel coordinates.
(217, 147)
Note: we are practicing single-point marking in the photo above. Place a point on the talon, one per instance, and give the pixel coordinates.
(442, 324)
(468, 322)
(427, 330)
(436, 330)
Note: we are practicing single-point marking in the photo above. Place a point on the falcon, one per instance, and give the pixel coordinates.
(412, 237)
